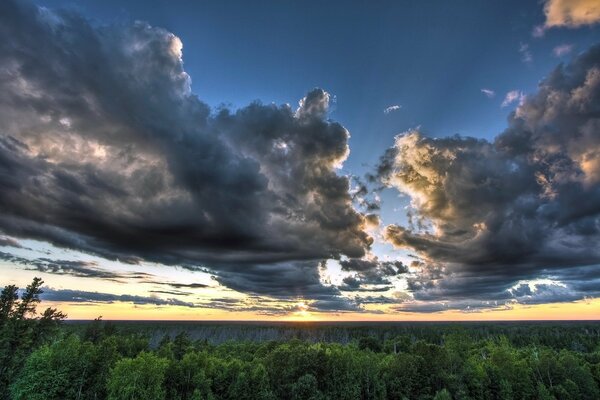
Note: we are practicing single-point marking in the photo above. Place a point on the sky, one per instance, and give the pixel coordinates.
(302, 161)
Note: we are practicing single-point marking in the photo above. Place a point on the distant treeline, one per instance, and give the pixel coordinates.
(574, 335)
(43, 359)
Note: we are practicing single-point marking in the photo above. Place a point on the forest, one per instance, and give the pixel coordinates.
(44, 357)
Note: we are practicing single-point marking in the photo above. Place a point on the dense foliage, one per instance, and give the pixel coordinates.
(21, 330)
(103, 361)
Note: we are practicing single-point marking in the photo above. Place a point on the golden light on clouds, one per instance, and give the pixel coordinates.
(571, 13)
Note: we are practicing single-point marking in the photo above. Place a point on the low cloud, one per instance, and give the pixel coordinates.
(278, 307)
(178, 285)
(77, 268)
(80, 296)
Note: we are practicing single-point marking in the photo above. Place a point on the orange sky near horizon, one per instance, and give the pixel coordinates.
(578, 310)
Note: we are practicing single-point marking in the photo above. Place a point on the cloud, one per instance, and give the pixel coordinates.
(390, 109)
(562, 50)
(105, 149)
(513, 96)
(278, 307)
(488, 92)
(538, 31)
(281, 280)
(9, 242)
(178, 285)
(372, 275)
(375, 300)
(80, 269)
(387, 268)
(80, 296)
(525, 52)
(571, 13)
(499, 212)
(172, 292)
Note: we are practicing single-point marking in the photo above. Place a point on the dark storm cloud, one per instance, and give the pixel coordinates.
(80, 296)
(104, 149)
(178, 285)
(81, 269)
(387, 268)
(334, 305)
(525, 206)
(297, 279)
(357, 284)
(278, 307)
(371, 275)
(375, 300)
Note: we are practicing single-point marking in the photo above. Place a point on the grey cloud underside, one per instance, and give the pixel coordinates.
(295, 279)
(178, 285)
(522, 207)
(172, 292)
(370, 275)
(104, 149)
(262, 306)
(80, 269)
(268, 306)
(80, 296)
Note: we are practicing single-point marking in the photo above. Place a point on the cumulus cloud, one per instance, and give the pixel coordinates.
(562, 50)
(105, 149)
(390, 109)
(571, 13)
(513, 96)
(525, 52)
(488, 92)
(522, 207)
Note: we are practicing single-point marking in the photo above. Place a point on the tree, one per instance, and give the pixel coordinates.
(443, 394)
(67, 369)
(186, 379)
(21, 331)
(8, 299)
(139, 378)
(306, 388)
(181, 343)
(370, 343)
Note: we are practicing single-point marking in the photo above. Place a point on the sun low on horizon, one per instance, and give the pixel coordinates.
(280, 161)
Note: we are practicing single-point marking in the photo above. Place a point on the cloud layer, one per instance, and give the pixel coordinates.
(488, 215)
